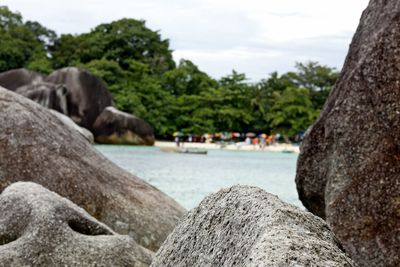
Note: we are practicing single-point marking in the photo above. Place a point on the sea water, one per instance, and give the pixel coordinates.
(188, 178)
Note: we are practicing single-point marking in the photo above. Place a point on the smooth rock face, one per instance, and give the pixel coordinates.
(349, 166)
(246, 226)
(13, 79)
(40, 228)
(70, 123)
(49, 95)
(87, 94)
(116, 127)
(36, 146)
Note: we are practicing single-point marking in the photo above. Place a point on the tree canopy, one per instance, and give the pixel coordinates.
(121, 41)
(23, 44)
(137, 65)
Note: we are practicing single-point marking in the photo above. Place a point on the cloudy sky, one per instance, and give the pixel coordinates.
(256, 37)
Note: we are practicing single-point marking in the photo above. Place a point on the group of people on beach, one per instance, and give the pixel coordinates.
(262, 140)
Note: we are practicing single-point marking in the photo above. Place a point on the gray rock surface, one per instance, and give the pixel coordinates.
(349, 167)
(36, 146)
(116, 127)
(246, 226)
(71, 124)
(40, 228)
(88, 96)
(49, 95)
(13, 79)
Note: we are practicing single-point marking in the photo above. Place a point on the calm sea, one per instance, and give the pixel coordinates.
(189, 178)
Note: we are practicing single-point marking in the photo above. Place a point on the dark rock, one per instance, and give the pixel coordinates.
(88, 96)
(71, 124)
(349, 166)
(116, 127)
(13, 79)
(40, 228)
(36, 146)
(246, 226)
(54, 97)
(49, 95)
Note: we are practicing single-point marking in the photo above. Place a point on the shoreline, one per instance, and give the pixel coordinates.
(236, 147)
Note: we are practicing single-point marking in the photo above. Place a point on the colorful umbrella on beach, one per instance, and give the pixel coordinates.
(236, 134)
(250, 135)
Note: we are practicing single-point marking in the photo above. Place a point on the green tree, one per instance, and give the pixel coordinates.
(8, 18)
(136, 91)
(65, 51)
(119, 41)
(292, 111)
(234, 103)
(186, 79)
(23, 44)
(316, 78)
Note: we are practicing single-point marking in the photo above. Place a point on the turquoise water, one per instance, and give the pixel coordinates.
(189, 178)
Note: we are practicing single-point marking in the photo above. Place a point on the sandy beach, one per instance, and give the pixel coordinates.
(238, 146)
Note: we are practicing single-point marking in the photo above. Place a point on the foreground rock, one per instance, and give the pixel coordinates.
(349, 169)
(40, 228)
(246, 226)
(88, 96)
(49, 95)
(116, 127)
(36, 146)
(13, 79)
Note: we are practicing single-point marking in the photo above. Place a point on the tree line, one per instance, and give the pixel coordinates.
(137, 65)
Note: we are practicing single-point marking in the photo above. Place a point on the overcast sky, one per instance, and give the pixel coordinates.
(256, 37)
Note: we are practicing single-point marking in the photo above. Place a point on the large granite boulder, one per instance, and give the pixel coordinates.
(246, 226)
(88, 96)
(40, 228)
(349, 166)
(13, 79)
(36, 146)
(49, 95)
(116, 127)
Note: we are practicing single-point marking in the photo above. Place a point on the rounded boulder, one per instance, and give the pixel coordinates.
(40, 228)
(246, 226)
(116, 127)
(88, 96)
(37, 146)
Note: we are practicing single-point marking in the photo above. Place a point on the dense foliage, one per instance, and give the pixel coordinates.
(137, 65)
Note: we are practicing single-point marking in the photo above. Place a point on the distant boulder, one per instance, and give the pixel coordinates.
(40, 228)
(88, 96)
(116, 127)
(246, 226)
(49, 95)
(13, 79)
(54, 97)
(71, 124)
(38, 147)
(348, 170)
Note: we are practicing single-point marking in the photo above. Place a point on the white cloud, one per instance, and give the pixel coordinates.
(253, 36)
